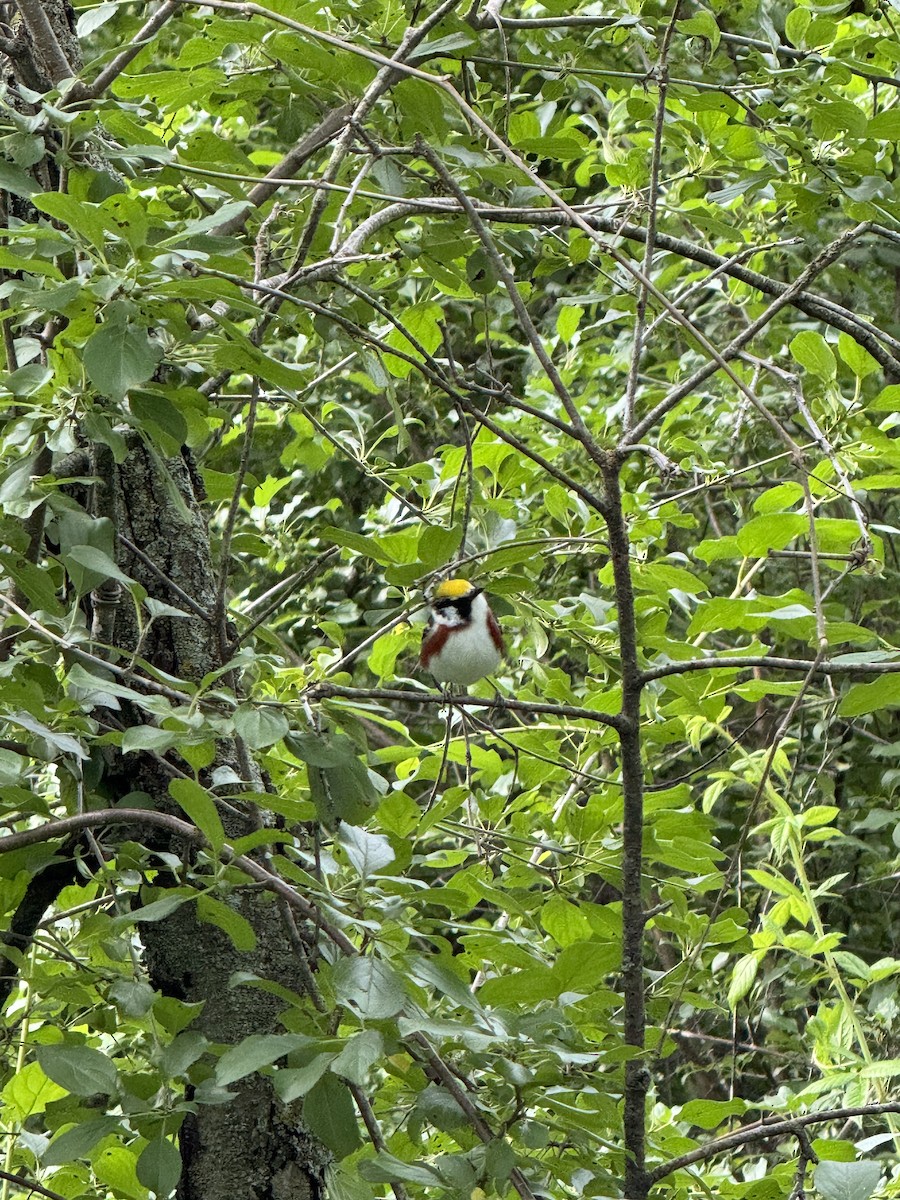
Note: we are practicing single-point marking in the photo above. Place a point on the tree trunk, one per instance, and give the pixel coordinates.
(251, 1146)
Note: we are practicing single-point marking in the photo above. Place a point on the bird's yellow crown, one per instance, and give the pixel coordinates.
(452, 589)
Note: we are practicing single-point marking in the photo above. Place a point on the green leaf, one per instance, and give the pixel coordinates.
(568, 320)
(367, 852)
(743, 976)
(88, 567)
(256, 1051)
(14, 179)
(293, 1082)
(148, 737)
(29, 1091)
(857, 358)
(201, 808)
(119, 356)
(226, 918)
(62, 743)
(780, 498)
(385, 1168)
(358, 1056)
(36, 583)
(81, 1070)
(243, 357)
(159, 1167)
(707, 1114)
(93, 18)
(259, 726)
(564, 921)
(819, 814)
(883, 692)
(811, 351)
(437, 546)
(885, 126)
(114, 1165)
(127, 217)
(318, 750)
(328, 1111)
(702, 24)
(581, 962)
(796, 24)
(774, 531)
(156, 414)
(499, 1160)
(372, 987)
(78, 1140)
(443, 46)
(355, 541)
(421, 322)
(132, 996)
(839, 116)
(343, 790)
(212, 220)
(847, 1180)
(77, 214)
(158, 910)
(181, 1053)
(28, 380)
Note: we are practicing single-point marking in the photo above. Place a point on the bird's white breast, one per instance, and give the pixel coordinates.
(469, 652)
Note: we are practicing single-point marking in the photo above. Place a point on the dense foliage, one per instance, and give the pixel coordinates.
(600, 307)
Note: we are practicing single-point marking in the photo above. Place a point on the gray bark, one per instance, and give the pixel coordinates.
(253, 1147)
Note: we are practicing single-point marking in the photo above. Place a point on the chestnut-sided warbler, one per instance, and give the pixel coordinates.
(462, 641)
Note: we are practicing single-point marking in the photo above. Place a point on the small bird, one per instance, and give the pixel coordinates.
(462, 641)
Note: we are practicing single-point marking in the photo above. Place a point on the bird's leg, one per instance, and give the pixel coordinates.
(444, 764)
(465, 728)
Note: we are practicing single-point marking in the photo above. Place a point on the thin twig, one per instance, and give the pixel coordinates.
(91, 91)
(31, 1185)
(392, 69)
(509, 282)
(225, 564)
(662, 76)
(821, 308)
(822, 260)
(451, 1084)
(187, 600)
(282, 173)
(356, 331)
(362, 1102)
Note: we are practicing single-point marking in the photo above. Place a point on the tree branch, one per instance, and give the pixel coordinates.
(45, 41)
(735, 662)
(30, 1185)
(393, 69)
(82, 92)
(822, 260)
(323, 691)
(637, 1076)
(509, 282)
(819, 307)
(320, 135)
(143, 816)
(767, 1128)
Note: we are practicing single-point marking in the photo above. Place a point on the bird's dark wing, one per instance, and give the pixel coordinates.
(496, 633)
